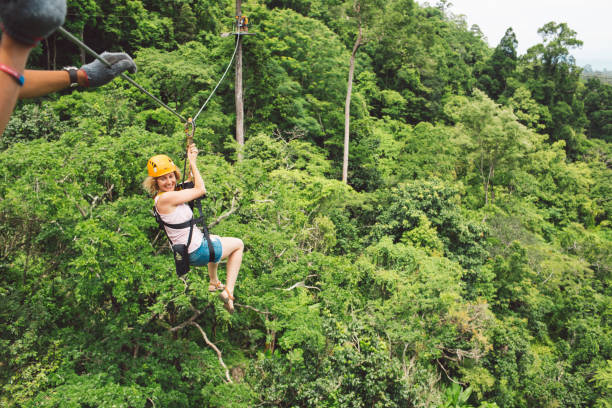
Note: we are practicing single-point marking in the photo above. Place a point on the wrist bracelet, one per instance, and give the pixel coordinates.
(16, 75)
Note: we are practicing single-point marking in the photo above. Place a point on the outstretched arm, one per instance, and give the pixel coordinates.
(40, 83)
(198, 181)
(24, 23)
(37, 83)
(13, 56)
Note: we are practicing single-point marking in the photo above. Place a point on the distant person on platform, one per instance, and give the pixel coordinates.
(24, 23)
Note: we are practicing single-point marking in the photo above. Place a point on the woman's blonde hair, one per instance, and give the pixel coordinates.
(150, 183)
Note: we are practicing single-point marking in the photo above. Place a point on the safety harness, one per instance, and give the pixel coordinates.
(181, 251)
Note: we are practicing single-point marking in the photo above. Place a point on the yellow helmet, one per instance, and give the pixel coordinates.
(159, 165)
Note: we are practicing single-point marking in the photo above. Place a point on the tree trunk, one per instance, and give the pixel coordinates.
(81, 48)
(48, 53)
(491, 186)
(54, 52)
(238, 88)
(347, 107)
(487, 183)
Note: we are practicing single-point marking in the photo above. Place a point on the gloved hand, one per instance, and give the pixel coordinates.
(100, 74)
(29, 21)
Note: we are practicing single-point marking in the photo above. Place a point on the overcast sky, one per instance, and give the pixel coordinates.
(591, 19)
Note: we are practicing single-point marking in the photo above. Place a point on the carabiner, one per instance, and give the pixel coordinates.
(190, 131)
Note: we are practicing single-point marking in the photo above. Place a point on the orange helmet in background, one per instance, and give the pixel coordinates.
(159, 165)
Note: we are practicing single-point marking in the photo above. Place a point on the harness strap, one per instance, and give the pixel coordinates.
(211, 248)
(182, 225)
(181, 255)
(190, 224)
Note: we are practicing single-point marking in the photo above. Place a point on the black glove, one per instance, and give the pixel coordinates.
(100, 74)
(29, 21)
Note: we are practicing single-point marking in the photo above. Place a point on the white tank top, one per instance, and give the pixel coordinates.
(181, 214)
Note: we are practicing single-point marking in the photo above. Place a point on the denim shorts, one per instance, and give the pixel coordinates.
(201, 256)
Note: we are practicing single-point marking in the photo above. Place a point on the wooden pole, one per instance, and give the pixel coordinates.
(238, 87)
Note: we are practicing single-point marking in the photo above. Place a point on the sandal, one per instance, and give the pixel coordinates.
(215, 286)
(228, 300)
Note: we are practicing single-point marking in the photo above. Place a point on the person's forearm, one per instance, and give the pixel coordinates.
(198, 181)
(13, 55)
(40, 83)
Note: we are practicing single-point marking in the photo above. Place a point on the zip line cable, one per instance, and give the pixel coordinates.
(218, 83)
(123, 75)
(191, 122)
(131, 81)
(188, 122)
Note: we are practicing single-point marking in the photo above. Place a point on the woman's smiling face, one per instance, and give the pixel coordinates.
(167, 182)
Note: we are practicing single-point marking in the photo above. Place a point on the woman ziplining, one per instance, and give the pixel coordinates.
(174, 213)
(39, 18)
(187, 246)
(174, 203)
(190, 245)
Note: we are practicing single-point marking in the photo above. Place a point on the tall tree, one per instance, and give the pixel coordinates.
(364, 13)
(81, 14)
(552, 76)
(493, 76)
(425, 55)
(491, 136)
(185, 23)
(597, 98)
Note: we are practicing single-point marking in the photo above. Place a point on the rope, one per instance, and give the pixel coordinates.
(218, 83)
(123, 75)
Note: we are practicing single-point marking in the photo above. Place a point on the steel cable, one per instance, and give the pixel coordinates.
(123, 75)
(221, 80)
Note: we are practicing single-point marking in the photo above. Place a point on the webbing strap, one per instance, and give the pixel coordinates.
(211, 248)
(182, 225)
(189, 224)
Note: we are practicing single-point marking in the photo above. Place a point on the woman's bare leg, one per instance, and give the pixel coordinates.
(212, 266)
(212, 272)
(232, 250)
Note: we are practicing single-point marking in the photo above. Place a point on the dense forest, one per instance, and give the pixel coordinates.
(466, 262)
(604, 76)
